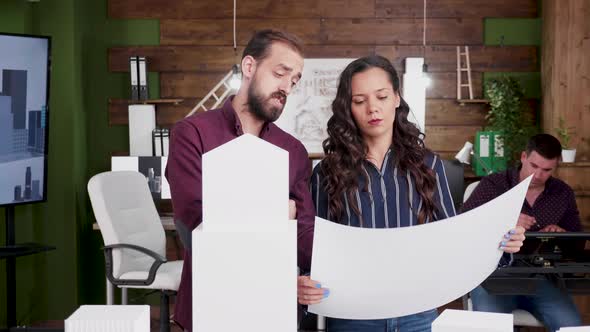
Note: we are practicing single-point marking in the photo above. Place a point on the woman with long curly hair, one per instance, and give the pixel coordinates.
(377, 173)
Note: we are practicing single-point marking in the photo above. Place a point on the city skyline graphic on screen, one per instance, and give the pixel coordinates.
(23, 118)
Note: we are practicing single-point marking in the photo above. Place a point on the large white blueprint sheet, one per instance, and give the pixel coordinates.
(385, 273)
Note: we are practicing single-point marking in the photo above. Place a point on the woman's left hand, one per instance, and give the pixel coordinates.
(513, 240)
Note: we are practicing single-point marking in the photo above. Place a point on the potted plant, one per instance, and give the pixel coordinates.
(507, 116)
(568, 155)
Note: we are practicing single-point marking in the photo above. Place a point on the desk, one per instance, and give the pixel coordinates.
(563, 258)
(168, 224)
(519, 280)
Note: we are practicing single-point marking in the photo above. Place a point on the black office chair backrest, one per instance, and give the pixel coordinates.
(455, 178)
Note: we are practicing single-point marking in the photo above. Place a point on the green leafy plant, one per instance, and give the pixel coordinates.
(564, 134)
(507, 115)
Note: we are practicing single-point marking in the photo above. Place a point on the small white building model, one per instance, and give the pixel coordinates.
(113, 318)
(245, 250)
(472, 321)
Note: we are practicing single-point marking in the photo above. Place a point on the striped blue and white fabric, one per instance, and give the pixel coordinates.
(391, 199)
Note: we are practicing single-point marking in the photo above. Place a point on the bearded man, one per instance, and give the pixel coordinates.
(272, 64)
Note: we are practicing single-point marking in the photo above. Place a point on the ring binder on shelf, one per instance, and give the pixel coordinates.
(133, 71)
(142, 69)
(160, 137)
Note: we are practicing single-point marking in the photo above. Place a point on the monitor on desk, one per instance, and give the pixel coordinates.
(564, 258)
(574, 246)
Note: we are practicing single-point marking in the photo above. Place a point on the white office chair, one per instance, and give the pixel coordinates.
(521, 317)
(470, 188)
(135, 243)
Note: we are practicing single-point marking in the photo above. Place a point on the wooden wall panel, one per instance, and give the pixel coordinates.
(175, 58)
(566, 70)
(188, 84)
(166, 114)
(333, 31)
(483, 58)
(210, 58)
(577, 175)
(338, 51)
(219, 31)
(444, 85)
(456, 8)
(402, 31)
(221, 58)
(322, 8)
(175, 9)
(449, 138)
(439, 113)
(447, 112)
(583, 202)
(448, 155)
(194, 84)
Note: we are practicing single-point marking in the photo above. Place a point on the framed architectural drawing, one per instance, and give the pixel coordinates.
(309, 106)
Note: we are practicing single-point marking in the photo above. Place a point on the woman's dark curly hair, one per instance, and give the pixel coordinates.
(346, 150)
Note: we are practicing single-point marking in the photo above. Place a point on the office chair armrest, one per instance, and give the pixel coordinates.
(108, 255)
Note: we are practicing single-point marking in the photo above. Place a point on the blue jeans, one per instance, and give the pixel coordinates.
(549, 304)
(420, 322)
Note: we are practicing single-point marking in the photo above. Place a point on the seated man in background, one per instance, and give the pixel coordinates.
(550, 206)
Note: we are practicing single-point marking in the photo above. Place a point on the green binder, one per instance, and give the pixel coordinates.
(489, 153)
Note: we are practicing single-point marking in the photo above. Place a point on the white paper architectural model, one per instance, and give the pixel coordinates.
(113, 318)
(472, 321)
(245, 250)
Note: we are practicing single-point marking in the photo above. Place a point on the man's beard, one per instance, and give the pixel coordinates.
(256, 103)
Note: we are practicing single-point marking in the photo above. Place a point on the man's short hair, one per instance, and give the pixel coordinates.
(259, 45)
(544, 144)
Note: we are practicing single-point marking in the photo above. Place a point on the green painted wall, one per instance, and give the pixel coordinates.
(99, 85)
(47, 283)
(516, 31)
(17, 16)
(512, 31)
(50, 286)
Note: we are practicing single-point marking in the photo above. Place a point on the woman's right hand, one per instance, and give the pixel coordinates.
(310, 291)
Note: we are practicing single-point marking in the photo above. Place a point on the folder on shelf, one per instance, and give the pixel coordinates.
(489, 152)
(133, 71)
(142, 68)
(160, 141)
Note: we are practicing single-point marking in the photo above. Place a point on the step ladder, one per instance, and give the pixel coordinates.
(217, 95)
(461, 68)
